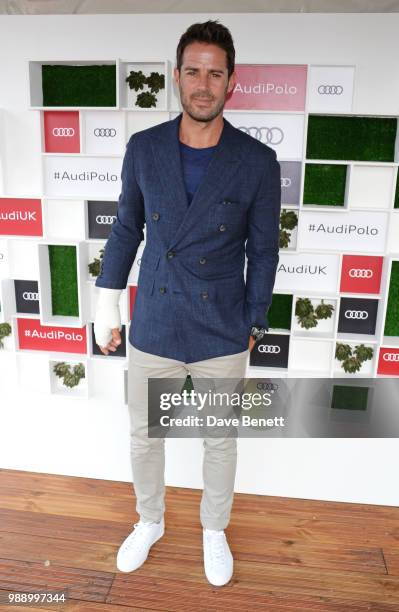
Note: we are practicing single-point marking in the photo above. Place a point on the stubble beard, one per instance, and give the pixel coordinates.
(206, 115)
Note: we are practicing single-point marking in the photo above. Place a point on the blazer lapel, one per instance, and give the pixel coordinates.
(221, 170)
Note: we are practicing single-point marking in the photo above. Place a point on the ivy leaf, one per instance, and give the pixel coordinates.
(156, 81)
(136, 80)
(324, 311)
(146, 100)
(342, 351)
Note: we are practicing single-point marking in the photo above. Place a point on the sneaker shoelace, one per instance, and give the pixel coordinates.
(134, 538)
(217, 548)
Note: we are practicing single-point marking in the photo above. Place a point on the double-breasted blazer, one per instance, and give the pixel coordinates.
(196, 299)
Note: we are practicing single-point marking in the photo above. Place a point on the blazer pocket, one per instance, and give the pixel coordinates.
(145, 282)
(149, 262)
(230, 211)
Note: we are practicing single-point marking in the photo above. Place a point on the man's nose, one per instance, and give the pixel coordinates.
(203, 82)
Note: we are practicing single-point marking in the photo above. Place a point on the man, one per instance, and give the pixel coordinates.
(209, 194)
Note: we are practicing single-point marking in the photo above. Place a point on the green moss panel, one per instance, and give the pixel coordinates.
(392, 317)
(279, 314)
(351, 138)
(349, 398)
(65, 85)
(324, 184)
(396, 202)
(64, 280)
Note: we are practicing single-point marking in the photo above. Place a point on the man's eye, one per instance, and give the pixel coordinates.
(216, 74)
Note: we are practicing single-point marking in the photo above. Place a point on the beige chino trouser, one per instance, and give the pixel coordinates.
(148, 454)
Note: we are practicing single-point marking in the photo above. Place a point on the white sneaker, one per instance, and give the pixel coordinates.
(135, 548)
(218, 560)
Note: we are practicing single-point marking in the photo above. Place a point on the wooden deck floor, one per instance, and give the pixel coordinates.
(60, 532)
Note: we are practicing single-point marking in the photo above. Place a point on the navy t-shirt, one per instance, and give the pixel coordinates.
(194, 162)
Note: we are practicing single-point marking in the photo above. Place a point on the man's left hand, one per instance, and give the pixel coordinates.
(252, 343)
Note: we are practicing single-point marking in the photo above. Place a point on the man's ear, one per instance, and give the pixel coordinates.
(232, 81)
(176, 75)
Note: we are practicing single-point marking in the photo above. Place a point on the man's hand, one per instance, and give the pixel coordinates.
(107, 322)
(113, 344)
(252, 343)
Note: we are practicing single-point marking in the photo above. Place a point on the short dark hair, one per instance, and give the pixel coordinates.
(210, 32)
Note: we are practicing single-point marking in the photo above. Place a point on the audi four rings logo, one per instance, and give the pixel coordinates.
(332, 90)
(30, 296)
(360, 273)
(105, 132)
(64, 131)
(105, 219)
(391, 357)
(356, 314)
(286, 182)
(273, 135)
(269, 348)
(267, 386)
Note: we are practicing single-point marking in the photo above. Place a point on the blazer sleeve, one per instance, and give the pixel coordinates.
(126, 230)
(262, 246)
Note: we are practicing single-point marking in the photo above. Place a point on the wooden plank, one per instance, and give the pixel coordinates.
(391, 558)
(19, 537)
(84, 506)
(85, 584)
(76, 605)
(259, 505)
(373, 534)
(74, 554)
(281, 579)
(64, 527)
(178, 596)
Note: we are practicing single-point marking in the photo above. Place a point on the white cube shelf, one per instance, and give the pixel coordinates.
(64, 219)
(7, 300)
(46, 315)
(128, 97)
(330, 88)
(391, 341)
(313, 355)
(22, 258)
(333, 208)
(103, 132)
(2, 152)
(4, 267)
(90, 253)
(393, 233)
(32, 369)
(372, 186)
(367, 368)
(34, 69)
(57, 385)
(325, 328)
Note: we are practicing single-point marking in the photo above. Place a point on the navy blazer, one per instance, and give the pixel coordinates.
(193, 301)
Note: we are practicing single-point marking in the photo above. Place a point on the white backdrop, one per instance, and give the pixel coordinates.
(44, 433)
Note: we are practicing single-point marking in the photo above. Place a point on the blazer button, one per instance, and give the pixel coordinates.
(170, 254)
(226, 202)
(162, 290)
(204, 295)
(155, 216)
(202, 260)
(222, 227)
